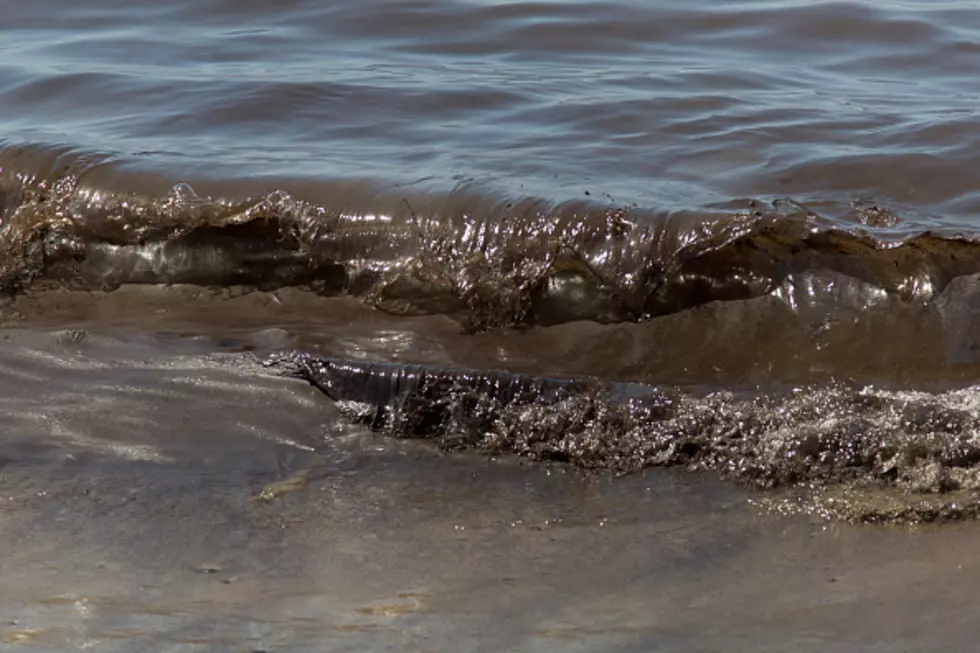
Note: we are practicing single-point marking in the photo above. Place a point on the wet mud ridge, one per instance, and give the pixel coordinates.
(853, 453)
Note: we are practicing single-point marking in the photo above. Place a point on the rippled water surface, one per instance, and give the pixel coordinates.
(763, 214)
(678, 106)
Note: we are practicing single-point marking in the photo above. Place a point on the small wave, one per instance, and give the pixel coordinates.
(487, 260)
(857, 453)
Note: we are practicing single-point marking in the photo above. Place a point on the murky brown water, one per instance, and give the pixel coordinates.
(719, 199)
(158, 495)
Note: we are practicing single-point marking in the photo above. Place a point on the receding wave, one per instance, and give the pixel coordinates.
(487, 260)
(858, 453)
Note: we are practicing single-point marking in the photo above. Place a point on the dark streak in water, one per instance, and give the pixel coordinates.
(858, 453)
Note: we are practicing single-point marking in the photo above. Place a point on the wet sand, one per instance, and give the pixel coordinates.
(163, 493)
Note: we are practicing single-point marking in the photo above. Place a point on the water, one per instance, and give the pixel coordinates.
(679, 107)
(765, 210)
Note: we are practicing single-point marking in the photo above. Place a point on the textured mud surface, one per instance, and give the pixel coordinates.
(860, 453)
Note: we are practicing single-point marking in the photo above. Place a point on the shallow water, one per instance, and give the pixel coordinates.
(140, 512)
(720, 200)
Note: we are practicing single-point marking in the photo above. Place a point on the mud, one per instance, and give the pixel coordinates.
(918, 450)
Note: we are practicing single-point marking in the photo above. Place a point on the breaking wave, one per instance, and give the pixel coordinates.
(857, 453)
(488, 261)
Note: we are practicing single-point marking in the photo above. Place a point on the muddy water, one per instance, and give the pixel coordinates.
(765, 208)
(159, 495)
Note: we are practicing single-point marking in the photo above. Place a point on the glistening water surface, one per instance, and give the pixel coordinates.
(678, 106)
(761, 214)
